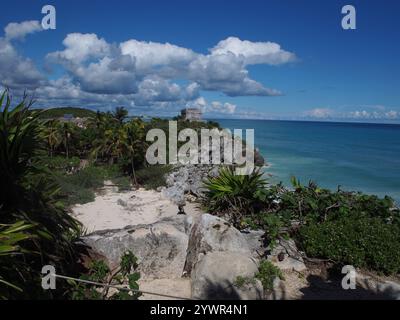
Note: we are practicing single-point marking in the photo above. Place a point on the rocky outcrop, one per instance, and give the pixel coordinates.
(187, 179)
(217, 255)
(383, 288)
(214, 277)
(209, 233)
(207, 249)
(259, 160)
(286, 256)
(160, 247)
(256, 242)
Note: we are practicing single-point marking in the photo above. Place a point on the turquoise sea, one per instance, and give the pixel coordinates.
(356, 156)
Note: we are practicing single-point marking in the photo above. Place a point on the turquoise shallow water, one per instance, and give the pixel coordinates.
(364, 157)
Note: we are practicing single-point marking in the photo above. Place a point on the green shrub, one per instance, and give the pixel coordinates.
(72, 194)
(267, 272)
(99, 272)
(357, 240)
(311, 203)
(153, 177)
(78, 188)
(123, 183)
(235, 195)
(241, 281)
(90, 177)
(60, 163)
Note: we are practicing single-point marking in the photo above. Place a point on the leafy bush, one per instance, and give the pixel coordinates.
(153, 177)
(99, 272)
(267, 273)
(357, 240)
(232, 194)
(90, 177)
(311, 203)
(60, 163)
(346, 227)
(123, 183)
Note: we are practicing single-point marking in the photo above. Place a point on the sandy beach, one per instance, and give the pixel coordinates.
(112, 209)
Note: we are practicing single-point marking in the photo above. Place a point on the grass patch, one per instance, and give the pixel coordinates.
(267, 272)
(154, 176)
(79, 188)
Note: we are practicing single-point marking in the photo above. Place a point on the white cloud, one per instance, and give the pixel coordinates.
(199, 103)
(89, 59)
(138, 73)
(215, 107)
(19, 30)
(392, 114)
(80, 47)
(155, 89)
(109, 75)
(15, 70)
(254, 52)
(320, 113)
(219, 107)
(154, 54)
(369, 113)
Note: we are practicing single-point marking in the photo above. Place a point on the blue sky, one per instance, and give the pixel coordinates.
(319, 70)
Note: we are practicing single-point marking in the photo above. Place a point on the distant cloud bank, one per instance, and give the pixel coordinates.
(369, 113)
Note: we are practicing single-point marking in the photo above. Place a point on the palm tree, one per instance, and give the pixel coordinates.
(120, 114)
(51, 133)
(110, 145)
(135, 143)
(66, 129)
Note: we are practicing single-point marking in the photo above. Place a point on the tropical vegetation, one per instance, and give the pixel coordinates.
(340, 226)
(49, 162)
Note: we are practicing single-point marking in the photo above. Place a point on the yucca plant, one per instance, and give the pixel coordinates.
(234, 195)
(11, 237)
(28, 202)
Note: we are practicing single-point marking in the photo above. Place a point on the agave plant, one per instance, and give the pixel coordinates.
(235, 195)
(11, 236)
(28, 202)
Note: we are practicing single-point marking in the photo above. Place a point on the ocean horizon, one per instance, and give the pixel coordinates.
(355, 156)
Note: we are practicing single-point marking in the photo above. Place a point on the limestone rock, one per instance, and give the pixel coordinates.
(216, 273)
(292, 259)
(382, 288)
(212, 234)
(255, 241)
(160, 247)
(390, 288)
(279, 290)
(187, 179)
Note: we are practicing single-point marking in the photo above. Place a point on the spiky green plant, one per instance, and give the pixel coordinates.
(28, 202)
(235, 195)
(11, 237)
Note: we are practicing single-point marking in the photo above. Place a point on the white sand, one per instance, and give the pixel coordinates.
(115, 210)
